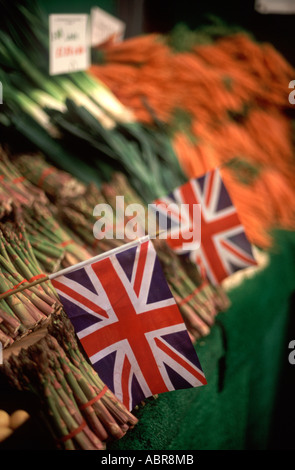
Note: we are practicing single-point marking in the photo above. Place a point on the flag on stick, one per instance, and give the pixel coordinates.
(223, 246)
(129, 324)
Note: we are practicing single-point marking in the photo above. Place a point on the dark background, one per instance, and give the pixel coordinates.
(162, 15)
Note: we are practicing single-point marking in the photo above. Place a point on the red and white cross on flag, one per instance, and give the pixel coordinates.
(129, 324)
(223, 246)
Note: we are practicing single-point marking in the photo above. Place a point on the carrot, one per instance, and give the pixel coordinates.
(234, 91)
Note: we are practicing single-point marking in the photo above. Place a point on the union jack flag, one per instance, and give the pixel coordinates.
(224, 247)
(129, 324)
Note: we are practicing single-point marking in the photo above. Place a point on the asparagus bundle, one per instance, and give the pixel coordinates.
(73, 204)
(46, 231)
(49, 256)
(21, 312)
(36, 170)
(78, 214)
(80, 410)
(17, 190)
(74, 209)
(14, 187)
(198, 300)
(21, 185)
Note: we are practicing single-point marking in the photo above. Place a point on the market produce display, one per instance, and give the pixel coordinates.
(58, 233)
(151, 113)
(23, 311)
(67, 124)
(225, 105)
(50, 230)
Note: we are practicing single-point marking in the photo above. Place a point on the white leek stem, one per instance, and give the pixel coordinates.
(47, 101)
(37, 113)
(82, 99)
(104, 97)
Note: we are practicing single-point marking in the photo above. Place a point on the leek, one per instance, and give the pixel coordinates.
(34, 110)
(47, 101)
(65, 114)
(103, 97)
(82, 99)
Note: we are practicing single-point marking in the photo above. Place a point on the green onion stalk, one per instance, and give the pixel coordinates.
(73, 200)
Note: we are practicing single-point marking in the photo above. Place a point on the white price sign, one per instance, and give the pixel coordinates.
(105, 27)
(69, 41)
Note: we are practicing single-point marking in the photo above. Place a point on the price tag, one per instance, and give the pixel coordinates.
(275, 6)
(69, 41)
(105, 27)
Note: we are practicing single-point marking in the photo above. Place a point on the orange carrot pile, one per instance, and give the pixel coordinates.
(234, 93)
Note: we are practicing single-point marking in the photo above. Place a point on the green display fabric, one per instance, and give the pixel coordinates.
(242, 359)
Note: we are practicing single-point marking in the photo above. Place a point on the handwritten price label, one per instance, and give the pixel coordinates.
(69, 41)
